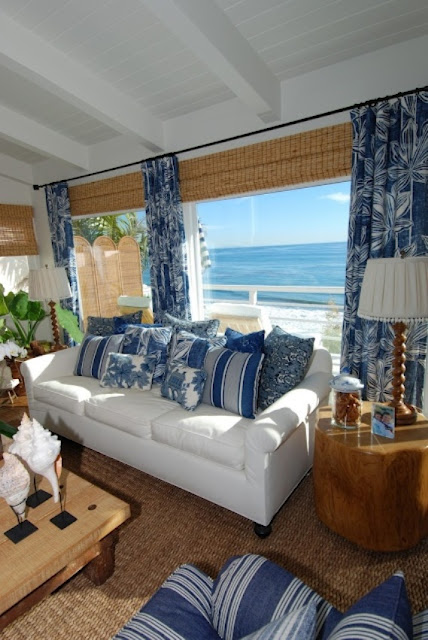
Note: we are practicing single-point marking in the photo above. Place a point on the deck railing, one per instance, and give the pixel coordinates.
(322, 319)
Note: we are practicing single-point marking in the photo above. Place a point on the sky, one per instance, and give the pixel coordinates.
(297, 216)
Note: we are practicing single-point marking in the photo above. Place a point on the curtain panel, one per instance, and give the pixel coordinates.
(58, 206)
(165, 230)
(388, 217)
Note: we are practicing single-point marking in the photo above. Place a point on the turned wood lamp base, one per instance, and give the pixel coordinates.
(405, 414)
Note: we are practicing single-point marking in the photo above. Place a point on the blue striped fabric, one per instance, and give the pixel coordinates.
(180, 610)
(296, 625)
(232, 380)
(93, 354)
(384, 614)
(420, 625)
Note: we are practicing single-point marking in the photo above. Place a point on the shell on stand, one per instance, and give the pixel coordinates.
(14, 484)
(39, 448)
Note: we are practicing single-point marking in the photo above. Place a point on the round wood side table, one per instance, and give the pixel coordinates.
(369, 489)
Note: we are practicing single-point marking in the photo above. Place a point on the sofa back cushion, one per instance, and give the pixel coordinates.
(93, 354)
(232, 380)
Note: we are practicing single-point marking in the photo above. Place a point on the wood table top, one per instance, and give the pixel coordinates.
(29, 563)
(410, 437)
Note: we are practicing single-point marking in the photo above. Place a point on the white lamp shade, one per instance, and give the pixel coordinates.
(48, 284)
(395, 289)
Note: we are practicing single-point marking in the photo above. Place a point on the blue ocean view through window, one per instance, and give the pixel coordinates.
(315, 265)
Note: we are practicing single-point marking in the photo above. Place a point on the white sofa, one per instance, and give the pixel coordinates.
(247, 466)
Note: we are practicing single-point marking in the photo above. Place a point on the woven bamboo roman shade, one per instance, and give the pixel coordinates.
(312, 156)
(17, 231)
(121, 193)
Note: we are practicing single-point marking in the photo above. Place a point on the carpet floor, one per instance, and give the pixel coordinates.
(169, 527)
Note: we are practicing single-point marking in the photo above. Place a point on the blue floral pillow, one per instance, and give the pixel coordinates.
(188, 349)
(99, 326)
(201, 328)
(247, 343)
(120, 326)
(285, 365)
(126, 371)
(146, 341)
(184, 385)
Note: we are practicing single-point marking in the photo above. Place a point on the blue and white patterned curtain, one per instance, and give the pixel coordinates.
(389, 215)
(165, 229)
(58, 205)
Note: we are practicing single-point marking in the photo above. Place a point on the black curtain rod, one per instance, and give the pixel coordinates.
(275, 127)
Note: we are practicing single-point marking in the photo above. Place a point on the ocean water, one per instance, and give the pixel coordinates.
(318, 265)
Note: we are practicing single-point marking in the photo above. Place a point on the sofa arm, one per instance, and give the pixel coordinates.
(274, 425)
(51, 365)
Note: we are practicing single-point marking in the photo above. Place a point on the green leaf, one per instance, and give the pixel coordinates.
(18, 306)
(70, 322)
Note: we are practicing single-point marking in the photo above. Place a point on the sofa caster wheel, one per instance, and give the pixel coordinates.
(262, 530)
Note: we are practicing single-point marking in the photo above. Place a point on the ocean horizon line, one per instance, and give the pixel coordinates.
(263, 246)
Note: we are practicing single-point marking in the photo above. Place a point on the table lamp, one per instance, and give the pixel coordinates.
(396, 290)
(50, 284)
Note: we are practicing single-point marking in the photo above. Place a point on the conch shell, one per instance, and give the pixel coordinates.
(14, 484)
(39, 448)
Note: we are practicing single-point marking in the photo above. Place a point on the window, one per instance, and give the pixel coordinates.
(261, 244)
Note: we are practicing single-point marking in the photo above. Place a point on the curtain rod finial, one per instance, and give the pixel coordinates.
(36, 187)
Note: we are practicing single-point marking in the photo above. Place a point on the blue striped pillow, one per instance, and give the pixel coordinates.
(93, 354)
(384, 613)
(296, 625)
(232, 380)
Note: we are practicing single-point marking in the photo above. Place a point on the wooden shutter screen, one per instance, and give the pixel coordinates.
(121, 193)
(310, 156)
(17, 231)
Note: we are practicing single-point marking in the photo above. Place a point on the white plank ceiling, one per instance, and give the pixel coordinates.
(75, 73)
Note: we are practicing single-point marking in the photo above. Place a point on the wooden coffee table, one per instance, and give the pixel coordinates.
(39, 564)
(369, 489)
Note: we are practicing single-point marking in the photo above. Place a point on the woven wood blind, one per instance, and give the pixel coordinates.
(310, 156)
(17, 231)
(121, 193)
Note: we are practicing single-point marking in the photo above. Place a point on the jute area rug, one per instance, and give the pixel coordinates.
(170, 527)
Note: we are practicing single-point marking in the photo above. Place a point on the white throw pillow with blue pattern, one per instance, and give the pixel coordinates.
(184, 385)
(126, 371)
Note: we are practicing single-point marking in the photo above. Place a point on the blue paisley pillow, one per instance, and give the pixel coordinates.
(247, 343)
(285, 364)
(146, 341)
(126, 371)
(98, 326)
(184, 384)
(201, 328)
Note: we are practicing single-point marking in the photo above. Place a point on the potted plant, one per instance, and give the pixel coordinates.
(25, 314)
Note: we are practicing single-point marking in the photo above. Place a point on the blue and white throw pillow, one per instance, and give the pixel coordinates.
(247, 343)
(146, 341)
(184, 385)
(242, 605)
(232, 380)
(126, 371)
(188, 349)
(99, 326)
(285, 364)
(201, 328)
(384, 613)
(296, 625)
(93, 354)
(120, 325)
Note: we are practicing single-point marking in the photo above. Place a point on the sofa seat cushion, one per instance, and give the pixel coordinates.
(128, 410)
(209, 432)
(68, 393)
